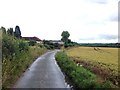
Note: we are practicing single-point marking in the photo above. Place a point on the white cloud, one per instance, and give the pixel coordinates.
(48, 18)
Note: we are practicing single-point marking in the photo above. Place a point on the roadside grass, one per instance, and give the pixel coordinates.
(12, 70)
(103, 61)
(79, 77)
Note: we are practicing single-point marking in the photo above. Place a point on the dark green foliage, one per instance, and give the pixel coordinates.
(17, 32)
(50, 45)
(47, 46)
(57, 46)
(8, 46)
(10, 32)
(17, 55)
(41, 46)
(12, 51)
(67, 42)
(79, 77)
(3, 30)
(11, 46)
(65, 35)
(114, 45)
(23, 46)
(65, 45)
(32, 42)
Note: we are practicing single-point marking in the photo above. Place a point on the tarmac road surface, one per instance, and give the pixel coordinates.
(43, 73)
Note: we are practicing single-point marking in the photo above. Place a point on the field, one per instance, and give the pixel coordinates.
(102, 61)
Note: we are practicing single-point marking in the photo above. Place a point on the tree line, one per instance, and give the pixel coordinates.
(10, 31)
(113, 45)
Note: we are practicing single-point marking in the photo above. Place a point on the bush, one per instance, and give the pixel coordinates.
(32, 43)
(17, 55)
(41, 46)
(23, 46)
(9, 46)
(47, 46)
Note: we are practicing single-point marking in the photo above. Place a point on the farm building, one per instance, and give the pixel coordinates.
(57, 41)
(33, 39)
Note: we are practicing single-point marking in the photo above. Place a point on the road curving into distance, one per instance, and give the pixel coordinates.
(43, 73)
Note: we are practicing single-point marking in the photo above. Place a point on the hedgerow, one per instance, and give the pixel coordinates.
(17, 55)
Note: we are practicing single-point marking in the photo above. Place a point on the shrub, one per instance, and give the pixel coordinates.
(17, 55)
(41, 46)
(32, 43)
(47, 46)
(9, 46)
(23, 46)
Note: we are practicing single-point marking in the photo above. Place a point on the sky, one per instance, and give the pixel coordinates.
(87, 21)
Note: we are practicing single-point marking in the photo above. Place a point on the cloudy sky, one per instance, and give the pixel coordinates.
(87, 21)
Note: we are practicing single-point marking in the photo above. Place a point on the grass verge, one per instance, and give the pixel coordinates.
(79, 77)
(12, 69)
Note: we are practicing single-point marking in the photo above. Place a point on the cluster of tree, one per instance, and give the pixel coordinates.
(67, 42)
(16, 33)
(50, 45)
(114, 45)
(10, 31)
(12, 45)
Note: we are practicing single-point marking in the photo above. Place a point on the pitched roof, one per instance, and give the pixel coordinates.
(32, 38)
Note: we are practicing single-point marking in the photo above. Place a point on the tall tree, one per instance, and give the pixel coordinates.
(65, 35)
(10, 31)
(3, 30)
(17, 32)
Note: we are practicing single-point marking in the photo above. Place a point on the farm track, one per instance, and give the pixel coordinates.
(43, 73)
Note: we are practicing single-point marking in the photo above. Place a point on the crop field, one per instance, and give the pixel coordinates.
(105, 59)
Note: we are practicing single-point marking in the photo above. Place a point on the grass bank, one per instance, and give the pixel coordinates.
(79, 77)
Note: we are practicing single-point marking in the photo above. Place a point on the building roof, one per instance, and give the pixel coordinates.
(32, 38)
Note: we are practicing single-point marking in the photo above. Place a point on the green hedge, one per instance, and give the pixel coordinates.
(17, 55)
(79, 76)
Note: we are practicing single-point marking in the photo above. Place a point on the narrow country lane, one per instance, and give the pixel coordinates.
(43, 73)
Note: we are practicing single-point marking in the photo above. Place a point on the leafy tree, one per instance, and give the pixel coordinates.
(69, 41)
(3, 30)
(17, 32)
(10, 31)
(65, 35)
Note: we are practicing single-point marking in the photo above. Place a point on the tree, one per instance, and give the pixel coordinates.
(3, 30)
(10, 31)
(17, 32)
(65, 35)
(69, 41)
